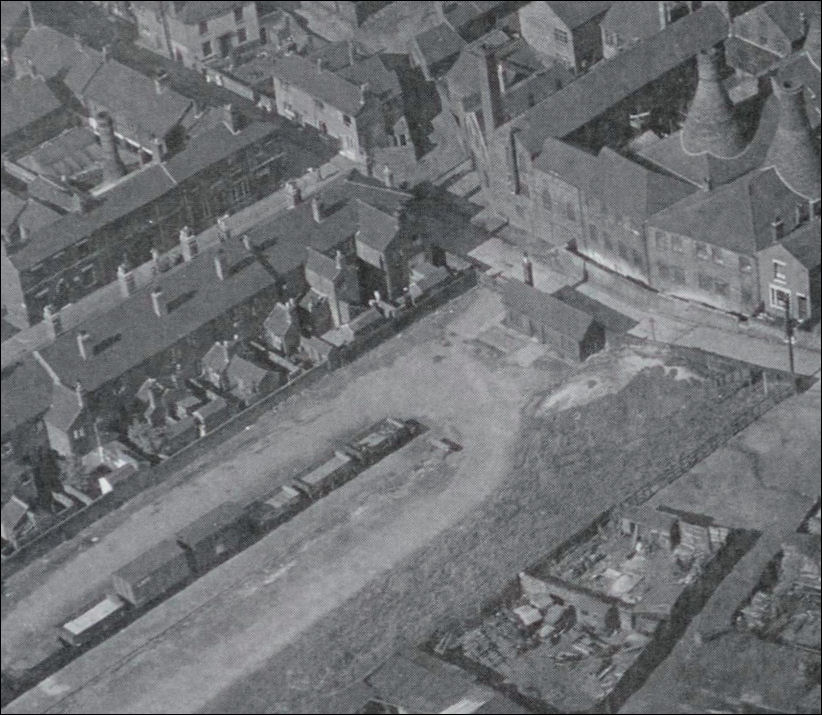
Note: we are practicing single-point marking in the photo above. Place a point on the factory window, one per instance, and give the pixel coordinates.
(801, 307)
(664, 271)
(676, 244)
(636, 258)
(705, 281)
(623, 250)
(606, 239)
(204, 27)
(238, 14)
(659, 238)
(242, 36)
(592, 230)
(560, 36)
(679, 275)
(546, 200)
(206, 49)
(721, 288)
(745, 265)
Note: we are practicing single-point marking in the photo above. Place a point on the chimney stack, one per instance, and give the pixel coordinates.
(83, 343)
(231, 118)
(365, 88)
(113, 167)
(793, 151)
(160, 79)
(223, 229)
(156, 150)
(338, 260)
(711, 125)
(80, 392)
(316, 209)
(527, 270)
(24, 232)
(246, 242)
(52, 320)
(490, 91)
(188, 244)
(294, 193)
(157, 302)
(220, 265)
(388, 177)
(126, 279)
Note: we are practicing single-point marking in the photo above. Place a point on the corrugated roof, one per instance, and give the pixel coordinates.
(613, 80)
(127, 93)
(545, 309)
(23, 102)
(736, 216)
(132, 332)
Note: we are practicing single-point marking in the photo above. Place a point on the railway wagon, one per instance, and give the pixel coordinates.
(327, 477)
(94, 622)
(263, 516)
(214, 537)
(152, 574)
(380, 440)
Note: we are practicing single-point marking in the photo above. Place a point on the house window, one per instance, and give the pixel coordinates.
(636, 258)
(661, 243)
(704, 281)
(745, 265)
(701, 251)
(83, 248)
(606, 239)
(570, 211)
(778, 271)
(679, 275)
(676, 244)
(204, 27)
(546, 200)
(79, 433)
(623, 250)
(238, 14)
(716, 254)
(801, 307)
(664, 271)
(206, 49)
(242, 36)
(780, 298)
(346, 120)
(560, 36)
(592, 230)
(721, 288)
(747, 295)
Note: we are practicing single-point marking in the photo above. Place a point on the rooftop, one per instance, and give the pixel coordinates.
(574, 14)
(633, 20)
(438, 43)
(52, 53)
(26, 393)
(195, 12)
(25, 101)
(803, 244)
(736, 216)
(611, 81)
(546, 309)
(65, 408)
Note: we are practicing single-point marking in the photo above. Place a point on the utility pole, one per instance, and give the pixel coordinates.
(789, 333)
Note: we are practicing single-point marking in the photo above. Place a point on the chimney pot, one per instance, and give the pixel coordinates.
(320, 64)
(294, 193)
(246, 242)
(83, 340)
(365, 88)
(105, 53)
(388, 177)
(126, 279)
(338, 260)
(157, 302)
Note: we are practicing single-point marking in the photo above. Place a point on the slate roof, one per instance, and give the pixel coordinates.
(138, 189)
(11, 13)
(788, 16)
(804, 245)
(736, 216)
(65, 408)
(340, 89)
(125, 92)
(438, 43)
(246, 371)
(217, 357)
(336, 55)
(23, 102)
(71, 152)
(321, 264)
(743, 55)
(132, 332)
(26, 393)
(54, 53)
(574, 14)
(463, 77)
(217, 406)
(377, 229)
(632, 20)
(624, 185)
(279, 320)
(613, 80)
(10, 208)
(36, 216)
(545, 310)
(195, 12)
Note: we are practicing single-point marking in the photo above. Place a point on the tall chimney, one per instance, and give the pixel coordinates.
(711, 125)
(52, 320)
(157, 302)
(388, 177)
(316, 209)
(490, 91)
(527, 270)
(220, 265)
(113, 167)
(223, 229)
(793, 151)
(83, 341)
